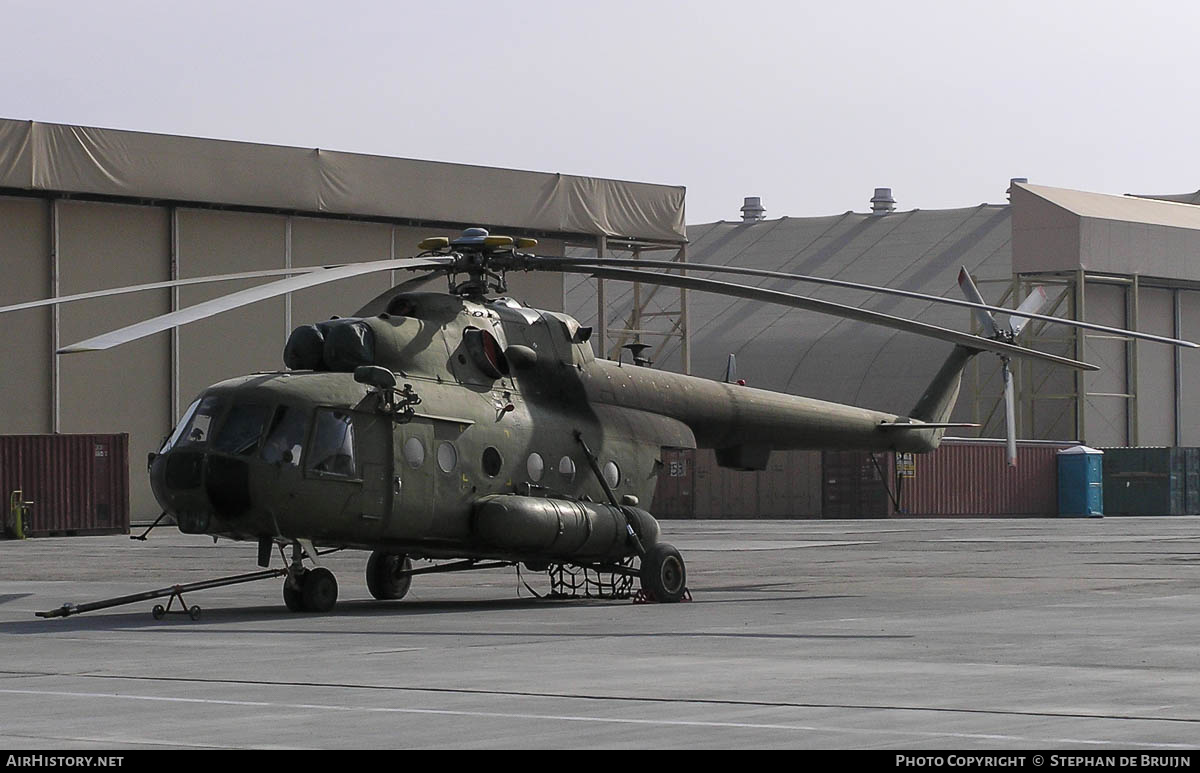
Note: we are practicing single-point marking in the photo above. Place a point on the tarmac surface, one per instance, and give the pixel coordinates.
(898, 634)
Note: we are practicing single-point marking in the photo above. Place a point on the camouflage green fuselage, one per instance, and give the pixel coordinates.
(314, 454)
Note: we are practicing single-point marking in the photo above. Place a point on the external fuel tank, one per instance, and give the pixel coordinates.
(560, 528)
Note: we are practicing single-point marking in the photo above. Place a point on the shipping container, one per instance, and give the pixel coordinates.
(963, 478)
(78, 484)
(972, 478)
(674, 492)
(855, 484)
(1152, 481)
(692, 485)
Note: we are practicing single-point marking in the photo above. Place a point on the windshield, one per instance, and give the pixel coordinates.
(286, 437)
(183, 422)
(197, 430)
(242, 429)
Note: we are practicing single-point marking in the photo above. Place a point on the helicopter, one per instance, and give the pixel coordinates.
(467, 427)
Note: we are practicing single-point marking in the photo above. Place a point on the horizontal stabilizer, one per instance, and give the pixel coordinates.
(912, 425)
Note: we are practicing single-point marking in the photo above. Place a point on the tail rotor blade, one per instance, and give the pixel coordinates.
(986, 320)
(1031, 305)
(1010, 413)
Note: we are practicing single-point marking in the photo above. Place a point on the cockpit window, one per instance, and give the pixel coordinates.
(285, 439)
(199, 428)
(332, 451)
(242, 429)
(183, 422)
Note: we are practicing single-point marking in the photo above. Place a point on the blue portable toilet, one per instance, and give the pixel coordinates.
(1080, 481)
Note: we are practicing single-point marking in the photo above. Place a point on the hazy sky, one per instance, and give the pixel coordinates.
(810, 105)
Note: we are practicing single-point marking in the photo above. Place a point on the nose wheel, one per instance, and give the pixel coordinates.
(308, 590)
(315, 590)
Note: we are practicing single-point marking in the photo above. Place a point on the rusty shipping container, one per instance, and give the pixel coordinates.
(79, 484)
(972, 478)
(855, 484)
(692, 485)
(963, 478)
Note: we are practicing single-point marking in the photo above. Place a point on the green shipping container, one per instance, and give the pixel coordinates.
(1152, 481)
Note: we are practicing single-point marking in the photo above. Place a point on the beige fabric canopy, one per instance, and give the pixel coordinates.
(77, 159)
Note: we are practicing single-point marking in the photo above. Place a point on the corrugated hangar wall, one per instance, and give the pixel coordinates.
(139, 388)
(81, 210)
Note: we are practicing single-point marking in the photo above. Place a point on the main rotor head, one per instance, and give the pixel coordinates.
(484, 258)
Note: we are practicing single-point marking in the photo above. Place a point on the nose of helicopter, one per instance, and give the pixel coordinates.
(205, 492)
(177, 480)
(202, 474)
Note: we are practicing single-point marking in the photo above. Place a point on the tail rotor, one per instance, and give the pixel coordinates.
(1007, 332)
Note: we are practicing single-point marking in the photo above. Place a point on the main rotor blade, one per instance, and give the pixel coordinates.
(1010, 414)
(825, 307)
(243, 298)
(160, 286)
(985, 318)
(1032, 304)
(561, 263)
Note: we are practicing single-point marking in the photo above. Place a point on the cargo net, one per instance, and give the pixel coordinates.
(568, 581)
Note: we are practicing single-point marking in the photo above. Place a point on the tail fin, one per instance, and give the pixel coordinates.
(937, 403)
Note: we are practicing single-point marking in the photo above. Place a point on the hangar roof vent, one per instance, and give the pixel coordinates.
(752, 209)
(882, 202)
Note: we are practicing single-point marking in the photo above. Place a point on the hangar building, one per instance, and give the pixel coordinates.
(1121, 261)
(85, 209)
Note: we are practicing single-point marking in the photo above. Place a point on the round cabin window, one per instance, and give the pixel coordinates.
(612, 474)
(566, 468)
(447, 457)
(535, 467)
(491, 462)
(414, 452)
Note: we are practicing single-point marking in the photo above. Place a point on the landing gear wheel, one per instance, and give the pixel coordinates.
(158, 611)
(194, 613)
(663, 573)
(320, 590)
(293, 593)
(382, 579)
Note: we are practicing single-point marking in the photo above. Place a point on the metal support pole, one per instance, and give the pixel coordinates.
(174, 345)
(391, 255)
(601, 304)
(1133, 294)
(287, 263)
(636, 317)
(1081, 355)
(55, 324)
(1177, 361)
(685, 349)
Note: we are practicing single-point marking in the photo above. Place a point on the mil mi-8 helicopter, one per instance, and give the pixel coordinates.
(465, 426)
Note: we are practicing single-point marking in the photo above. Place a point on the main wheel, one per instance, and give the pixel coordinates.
(293, 595)
(382, 575)
(320, 590)
(663, 573)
